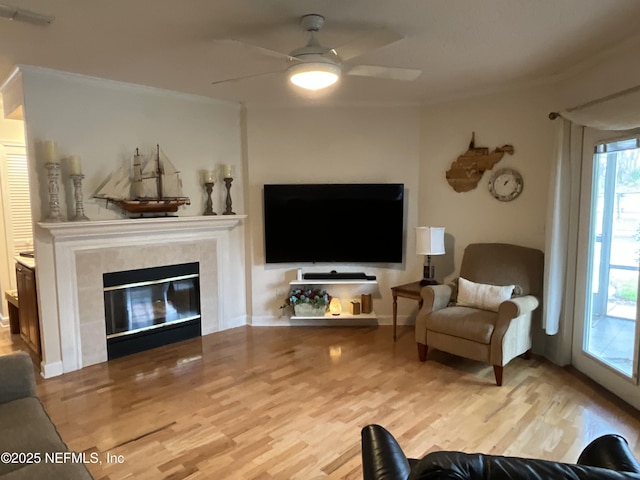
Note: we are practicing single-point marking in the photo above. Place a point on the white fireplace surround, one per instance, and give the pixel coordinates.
(83, 251)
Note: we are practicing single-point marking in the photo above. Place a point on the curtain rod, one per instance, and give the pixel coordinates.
(554, 115)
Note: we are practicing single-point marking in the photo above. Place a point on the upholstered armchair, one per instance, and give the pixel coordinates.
(486, 314)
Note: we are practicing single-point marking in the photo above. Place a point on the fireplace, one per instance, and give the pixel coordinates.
(80, 253)
(149, 307)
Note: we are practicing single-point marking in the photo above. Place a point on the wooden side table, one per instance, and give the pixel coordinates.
(408, 290)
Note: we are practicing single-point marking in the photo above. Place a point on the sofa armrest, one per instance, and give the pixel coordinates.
(382, 457)
(517, 306)
(610, 451)
(17, 379)
(510, 309)
(435, 297)
(444, 465)
(512, 332)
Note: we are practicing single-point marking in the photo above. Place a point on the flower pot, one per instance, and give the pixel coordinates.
(308, 310)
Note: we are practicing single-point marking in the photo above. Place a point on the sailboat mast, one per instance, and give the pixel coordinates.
(159, 172)
(137, 190)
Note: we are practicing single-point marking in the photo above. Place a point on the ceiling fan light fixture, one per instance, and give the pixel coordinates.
(314, 75)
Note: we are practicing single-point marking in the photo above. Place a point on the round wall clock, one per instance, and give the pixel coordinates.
(506, 184)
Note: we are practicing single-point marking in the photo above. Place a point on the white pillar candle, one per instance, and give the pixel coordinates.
(75, 168)
(49, 152)
(228, 171)
(209, 176)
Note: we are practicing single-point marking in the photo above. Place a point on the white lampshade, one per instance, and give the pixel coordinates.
(314, 75)
(430, 241)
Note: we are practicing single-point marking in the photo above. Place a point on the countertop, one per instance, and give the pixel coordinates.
(26, 261)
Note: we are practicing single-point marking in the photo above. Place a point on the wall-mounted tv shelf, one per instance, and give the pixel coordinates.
(333, 282)
(347, 284)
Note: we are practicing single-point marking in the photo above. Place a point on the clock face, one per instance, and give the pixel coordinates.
(506, 184)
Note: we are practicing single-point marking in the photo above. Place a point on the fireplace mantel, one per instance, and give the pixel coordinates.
(132, 226)
(83, 251)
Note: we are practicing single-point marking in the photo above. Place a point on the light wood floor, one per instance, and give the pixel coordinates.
(289, 403)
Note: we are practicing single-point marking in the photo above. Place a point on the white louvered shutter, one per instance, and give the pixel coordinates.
(19, 207)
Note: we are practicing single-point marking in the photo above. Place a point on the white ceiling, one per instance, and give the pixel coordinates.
(462, 46)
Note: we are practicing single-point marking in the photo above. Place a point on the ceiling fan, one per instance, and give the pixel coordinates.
(314, 66)
(25, 16)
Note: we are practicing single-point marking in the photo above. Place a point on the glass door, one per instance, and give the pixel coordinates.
(606, 335)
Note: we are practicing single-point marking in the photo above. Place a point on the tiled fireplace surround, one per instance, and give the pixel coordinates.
(83, 251)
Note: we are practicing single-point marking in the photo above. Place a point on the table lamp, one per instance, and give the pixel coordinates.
(429, 241)
(335, 307)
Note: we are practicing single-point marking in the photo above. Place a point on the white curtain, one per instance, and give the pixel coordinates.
(562, 241)
(620, 111)
(556, 245)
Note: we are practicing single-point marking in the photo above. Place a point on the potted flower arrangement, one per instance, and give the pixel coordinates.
(309, 302)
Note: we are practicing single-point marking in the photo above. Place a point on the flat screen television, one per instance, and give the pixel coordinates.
(346, 223)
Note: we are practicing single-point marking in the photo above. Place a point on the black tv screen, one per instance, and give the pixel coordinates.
(334, 223)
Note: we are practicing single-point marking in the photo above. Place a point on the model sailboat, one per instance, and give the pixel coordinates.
(154, 187)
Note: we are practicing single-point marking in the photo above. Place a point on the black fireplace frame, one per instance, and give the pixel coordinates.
(148, 339)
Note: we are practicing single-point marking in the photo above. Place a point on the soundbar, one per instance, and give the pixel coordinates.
(333, 275)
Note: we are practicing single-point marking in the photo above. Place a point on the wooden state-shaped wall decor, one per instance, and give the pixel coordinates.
(465, 173)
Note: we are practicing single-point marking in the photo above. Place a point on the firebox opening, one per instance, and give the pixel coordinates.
(150, 307)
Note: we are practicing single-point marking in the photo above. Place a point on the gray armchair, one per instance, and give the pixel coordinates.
(494, 337)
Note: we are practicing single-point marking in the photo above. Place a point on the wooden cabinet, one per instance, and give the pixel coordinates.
(28, 310)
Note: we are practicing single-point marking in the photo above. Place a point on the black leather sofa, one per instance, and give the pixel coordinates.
(606, 458)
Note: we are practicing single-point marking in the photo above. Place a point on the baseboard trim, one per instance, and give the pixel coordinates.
(286, 321)
(238, 321)
(48, 370)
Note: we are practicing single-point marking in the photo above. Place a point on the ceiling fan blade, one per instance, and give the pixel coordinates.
(245, 77)
(393, 73)
(24, 15)
(255, 48)
(364, 43)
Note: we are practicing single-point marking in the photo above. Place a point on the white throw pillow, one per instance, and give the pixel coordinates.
(482, 296)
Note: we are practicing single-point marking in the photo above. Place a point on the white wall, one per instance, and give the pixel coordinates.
(11, 131)
(414, 146)
(372, 144)
(519, 118)
(103, 122)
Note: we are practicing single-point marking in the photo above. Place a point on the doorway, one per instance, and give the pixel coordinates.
(606, 335)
